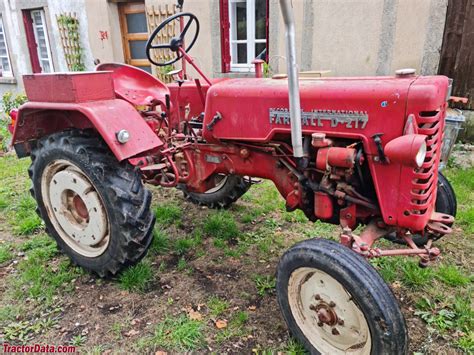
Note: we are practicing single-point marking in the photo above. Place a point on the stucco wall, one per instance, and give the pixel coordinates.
(348, 37)
(102, 16)
(363, 37)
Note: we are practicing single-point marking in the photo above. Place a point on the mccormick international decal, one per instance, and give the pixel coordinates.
(316, 118)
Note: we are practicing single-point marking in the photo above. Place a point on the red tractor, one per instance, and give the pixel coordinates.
(348, 151)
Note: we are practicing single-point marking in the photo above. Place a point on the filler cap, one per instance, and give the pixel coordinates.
(405, 72)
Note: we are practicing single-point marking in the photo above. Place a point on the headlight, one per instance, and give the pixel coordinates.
(409, 150)
(421, 155)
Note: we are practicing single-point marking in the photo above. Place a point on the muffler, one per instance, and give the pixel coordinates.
(293, 82)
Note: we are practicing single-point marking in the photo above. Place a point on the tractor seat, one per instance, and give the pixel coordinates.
(135, 85)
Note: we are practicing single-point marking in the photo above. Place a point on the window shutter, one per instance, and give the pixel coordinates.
(225, 35)
(31, 41)
(267, 25)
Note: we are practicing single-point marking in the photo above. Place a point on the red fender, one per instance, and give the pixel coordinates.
(107, 117)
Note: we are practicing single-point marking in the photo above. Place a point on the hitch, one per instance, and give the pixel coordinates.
(364, 244)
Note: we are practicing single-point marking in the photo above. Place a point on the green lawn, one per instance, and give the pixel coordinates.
(207, 283)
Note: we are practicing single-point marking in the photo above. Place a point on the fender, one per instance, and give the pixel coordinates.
(107, 117)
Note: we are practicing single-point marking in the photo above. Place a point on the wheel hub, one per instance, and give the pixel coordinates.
(80, 207)
(75, 208)
(326, 313)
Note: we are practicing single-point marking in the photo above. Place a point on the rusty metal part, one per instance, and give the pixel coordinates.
(319, 140)
(323, 205)
(335, 157)
(325, 314)
(364, 244)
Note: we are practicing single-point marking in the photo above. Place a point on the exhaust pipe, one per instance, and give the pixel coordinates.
(293, 82)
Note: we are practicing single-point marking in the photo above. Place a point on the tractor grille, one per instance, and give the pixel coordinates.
(423, 192)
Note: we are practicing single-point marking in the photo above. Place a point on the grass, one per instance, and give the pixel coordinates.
(236, 328)
(160, 243)
(15, 200)
(183, 245)
(40, 278)
(452, 275)
(78, 340)
(5, 254)
(168, 213)
(264, 284)
(217, 306)
(221, 225)
(117, 329)
(463, 183)
(184, 266)
(23, 331)
(136, 278)
(414, 276)
(178, 334)
(443, 314)
(264, 199)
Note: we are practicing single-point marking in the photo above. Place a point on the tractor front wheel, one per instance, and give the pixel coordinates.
(95, 207)
(334, 302)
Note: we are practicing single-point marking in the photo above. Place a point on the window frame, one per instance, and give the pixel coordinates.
(130, 8)
(5, 74)
(251, 39)
(43, 25)
(229, 45)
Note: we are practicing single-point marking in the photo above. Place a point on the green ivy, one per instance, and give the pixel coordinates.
(71, 26)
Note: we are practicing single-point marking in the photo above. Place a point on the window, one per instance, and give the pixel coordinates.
(5, 63)
(247, 30)
(38, 42)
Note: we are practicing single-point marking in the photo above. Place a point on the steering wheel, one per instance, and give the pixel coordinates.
(176, 42)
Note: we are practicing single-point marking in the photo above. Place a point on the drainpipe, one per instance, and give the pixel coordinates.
(293, 82)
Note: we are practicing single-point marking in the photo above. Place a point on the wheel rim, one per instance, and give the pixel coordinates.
(220, 180)
(326, 313)
(75, 208)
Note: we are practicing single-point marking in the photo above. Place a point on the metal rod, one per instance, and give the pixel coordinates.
(293, 82)
(191, 61)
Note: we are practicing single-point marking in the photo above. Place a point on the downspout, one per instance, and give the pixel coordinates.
(293, 82)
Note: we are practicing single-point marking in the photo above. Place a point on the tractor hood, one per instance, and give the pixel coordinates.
(256, 110)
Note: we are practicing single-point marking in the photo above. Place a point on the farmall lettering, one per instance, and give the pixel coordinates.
(317, 118)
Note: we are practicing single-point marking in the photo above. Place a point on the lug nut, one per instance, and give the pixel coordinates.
(317, 297)
(320, 324)
(123, 136)
(332, 304)
(312, 307)
(335, 331)
(340, 321)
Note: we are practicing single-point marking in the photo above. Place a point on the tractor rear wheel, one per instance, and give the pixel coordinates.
(227, 189)
(96, 208)
(334, 302)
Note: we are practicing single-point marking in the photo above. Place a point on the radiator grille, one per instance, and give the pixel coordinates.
(426, 177)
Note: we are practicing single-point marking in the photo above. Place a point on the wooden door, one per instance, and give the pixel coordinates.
(133, 25)
(457, 52)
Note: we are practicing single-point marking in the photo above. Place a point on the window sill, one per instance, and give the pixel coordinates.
(237, 75)
(5, 80)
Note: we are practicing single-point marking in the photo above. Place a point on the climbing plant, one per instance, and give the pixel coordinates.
(69, 30)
